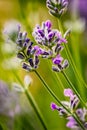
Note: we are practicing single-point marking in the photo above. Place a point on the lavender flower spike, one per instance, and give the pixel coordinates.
(57, 7)
(72, 105)
(46, 36)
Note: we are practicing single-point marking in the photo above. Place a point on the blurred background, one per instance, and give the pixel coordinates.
(15, 111)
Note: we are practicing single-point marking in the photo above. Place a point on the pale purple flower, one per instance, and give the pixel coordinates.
(68, 93)
(79, 6)
(74, 101)
(71, 123)
(72, 105)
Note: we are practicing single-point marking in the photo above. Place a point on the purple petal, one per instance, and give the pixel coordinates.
(48, 24)
(57, 60)
(54, 106)
(68, 92)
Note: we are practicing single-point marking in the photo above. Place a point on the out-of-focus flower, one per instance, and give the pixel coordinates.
(11, 63)
(11, 30)
(27, 82)
(76, 25)
(57, 7)
(78, 7)
(26, 51)
(8, 101)
(82, 5)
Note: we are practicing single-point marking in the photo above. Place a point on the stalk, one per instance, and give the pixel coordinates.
(73, 88)
(58, 100)
(75, 70)
(32, 102)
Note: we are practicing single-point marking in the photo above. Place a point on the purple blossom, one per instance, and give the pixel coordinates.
(73, 98)
(27, 52)
(72, 105)
(46, 36)
(71, 123)
(39, 51)
(60, 63)
(59, 109)
(82, 113)
(54, 106)
(50, 42)
(68, 93)
(57, 60)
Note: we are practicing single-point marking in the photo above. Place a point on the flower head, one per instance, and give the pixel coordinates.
(72, 105)
(57, 7)
(50, 42)
(46, 36)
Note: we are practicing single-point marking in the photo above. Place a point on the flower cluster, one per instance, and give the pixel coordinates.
(27, 51)
(72, 105)
(49, 45)
(57, 7)
(50, 40)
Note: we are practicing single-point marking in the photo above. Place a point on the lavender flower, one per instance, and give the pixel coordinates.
(60, 63)
(71, 123)
(57, 7)
(47, 36)
(82, 114)
(27, 52)
(50, 41)
(72, 105)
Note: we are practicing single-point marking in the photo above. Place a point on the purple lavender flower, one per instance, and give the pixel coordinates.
(60, 63)
(27, 52)
(54, 106)
(50, 42)
(46, 36)
(57, 60)
(57, 7)
(68, 93)
(72, 123)
(61, 110)
(82, 113)
(74, 101)
(72, 105)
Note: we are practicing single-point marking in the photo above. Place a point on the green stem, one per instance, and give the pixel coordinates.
(58, 80)
(75, 70)
(58, 100)
(73, 88)
(74, 67)
(49, 90)
(32, 102)
(78, 121)
(60, 26)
